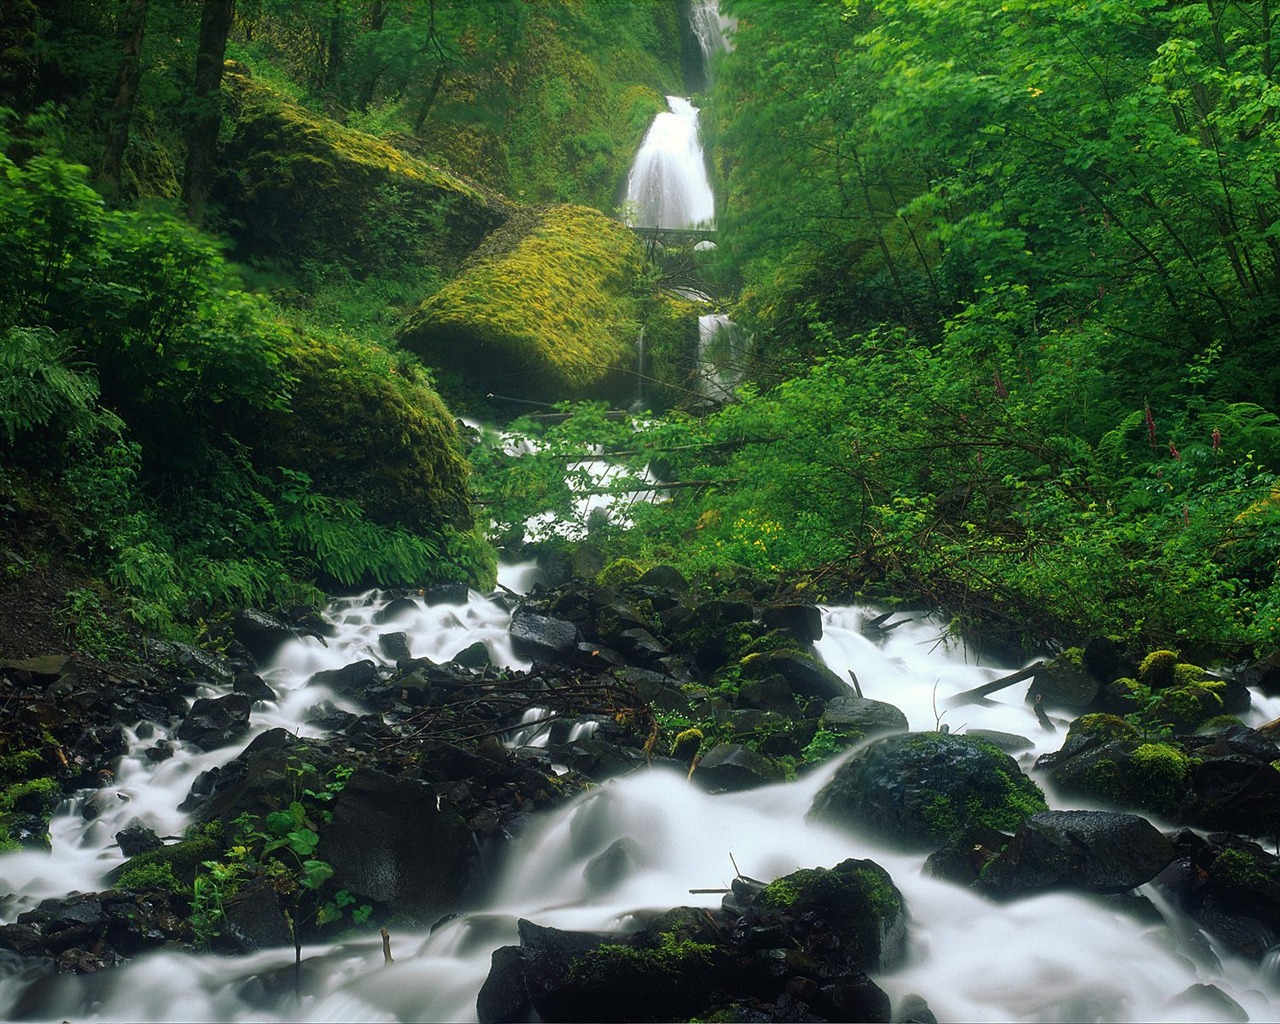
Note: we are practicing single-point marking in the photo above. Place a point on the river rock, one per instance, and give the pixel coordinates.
(1097, 851)
(136, 838)
(475, 655)
(922, 789)
(729, 767)
(398, 609)
(261, 634)
(770, 693)
(393, 842)
(543, 638)
(253, 687)
(802, 621)
(804, 672)
(213, 723)
(851, 714)
(445, 593)
(349, 680)
(394, 645)
(253, 919)
(1064, 683)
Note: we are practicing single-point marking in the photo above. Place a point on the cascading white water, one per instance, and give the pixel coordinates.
(722, 352)
(1051, 957)
(712, 30)
(668, 186)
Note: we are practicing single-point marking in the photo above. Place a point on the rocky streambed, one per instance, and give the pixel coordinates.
(614, 799)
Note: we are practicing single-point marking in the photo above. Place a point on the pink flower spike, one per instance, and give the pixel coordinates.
(1001, 391)
(1151, 427)
(1217, 438)
(1174, 452)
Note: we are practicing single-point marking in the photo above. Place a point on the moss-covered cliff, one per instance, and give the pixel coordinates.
(548, 308)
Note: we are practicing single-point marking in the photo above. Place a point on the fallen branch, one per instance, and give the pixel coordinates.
(386, 948)
(978, 692)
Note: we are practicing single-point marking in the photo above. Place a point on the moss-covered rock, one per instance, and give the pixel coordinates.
(366, 428)
(298, 185)
(546, 309)
(923, 789)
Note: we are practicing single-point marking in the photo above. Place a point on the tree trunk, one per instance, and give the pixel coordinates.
(130, 74)
(377, 18)
(202, 133)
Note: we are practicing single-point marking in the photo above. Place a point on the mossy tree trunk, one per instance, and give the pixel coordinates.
(202, 137)
(132, 26)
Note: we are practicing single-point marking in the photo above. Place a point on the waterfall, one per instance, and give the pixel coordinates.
(723, 347)
(641, 398)
(711, 29)
(668, 186)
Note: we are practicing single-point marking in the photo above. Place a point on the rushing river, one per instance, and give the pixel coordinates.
(1050, 957)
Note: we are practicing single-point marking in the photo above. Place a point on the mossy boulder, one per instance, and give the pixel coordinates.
(298, 185)
(546, 309)
(922, 789)
(367, 427)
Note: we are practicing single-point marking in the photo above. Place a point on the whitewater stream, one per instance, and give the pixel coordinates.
(1052, 957)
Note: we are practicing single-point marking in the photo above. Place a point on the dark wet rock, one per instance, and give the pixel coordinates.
(666, 578)
(253, 919)
(797, 949)
(804, 672)
(1264, 674)
(1064, 683)
(914, 1010)
(474, 656)
(42, 669)
(445, 593)
(400, 609)
(136, 838)
(201, 664)
(253, 687)
(85, 932)
(1208, 1002)
(852, 714)
(730, 767)
(609, 869)
(100, 803)
(543, 638)
(967, 856)
(801, 621)
(349, 680)
(393, 842)
(771, 693)
(1010, 743)
(261, 634)
(1222, 781)
(214, 722)
(394, 645)
(162, 751)
(1098, 851)
(922, 789)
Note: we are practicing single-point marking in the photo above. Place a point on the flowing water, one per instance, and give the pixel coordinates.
(723, 347)
(1051, 957)
(668, 186)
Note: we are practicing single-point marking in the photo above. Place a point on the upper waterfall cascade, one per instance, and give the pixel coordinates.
(668, 185)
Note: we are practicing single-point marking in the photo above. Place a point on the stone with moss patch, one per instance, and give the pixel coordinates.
(923, 789)
(547, 308)
(1157, 669)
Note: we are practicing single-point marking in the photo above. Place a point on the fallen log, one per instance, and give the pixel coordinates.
(973, 696)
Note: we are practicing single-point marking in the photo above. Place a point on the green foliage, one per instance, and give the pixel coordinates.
(151, 876)
(39, 384)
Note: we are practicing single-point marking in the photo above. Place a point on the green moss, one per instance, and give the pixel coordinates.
(548, 309)
(304, 186)
(628, 965)
(183, 859)
(367, 427)
(1162, 773)
(1157, 669)
(880, 892)
(152, 875)
(619, 573)
(1015, 800)
(1184, 674)
(1185, 707)
(671, 349)
(1109, 727)
(34, 796)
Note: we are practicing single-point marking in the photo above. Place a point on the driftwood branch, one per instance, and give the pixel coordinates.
(975, 695)
(386, 948)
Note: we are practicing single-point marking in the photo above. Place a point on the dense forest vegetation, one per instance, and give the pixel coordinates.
(1012, 275)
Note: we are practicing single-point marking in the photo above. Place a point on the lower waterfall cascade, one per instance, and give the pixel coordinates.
(1048, 957)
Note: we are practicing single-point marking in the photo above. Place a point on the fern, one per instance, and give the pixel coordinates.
(38, 384)
(1112, 447)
